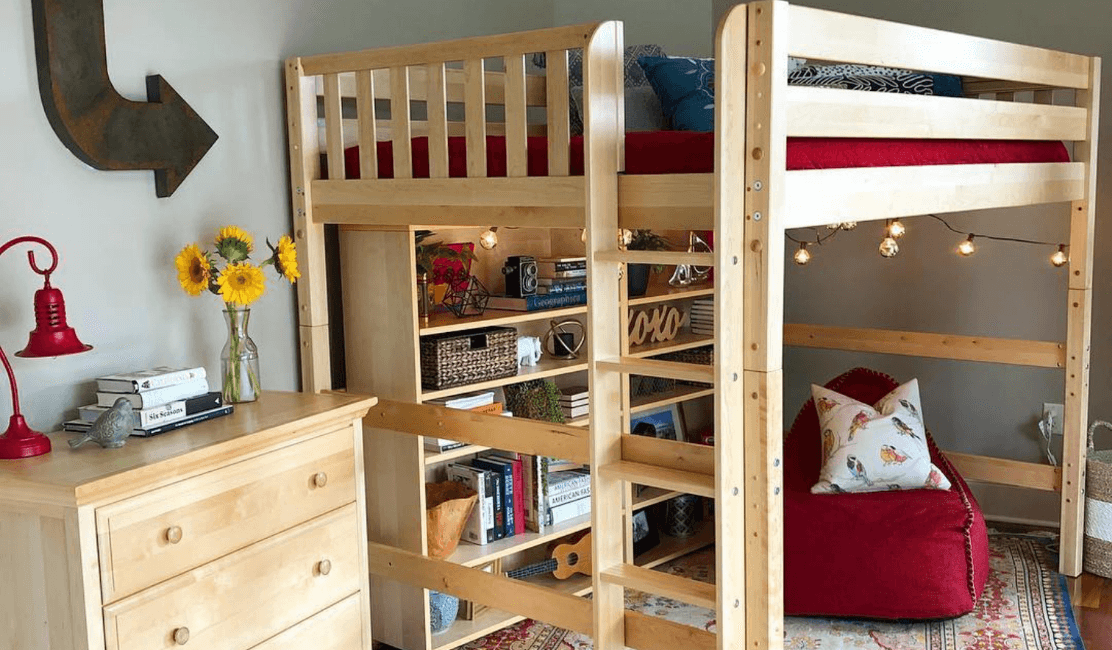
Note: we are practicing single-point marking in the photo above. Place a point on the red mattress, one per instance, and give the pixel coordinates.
(908, 554)
(687, 152)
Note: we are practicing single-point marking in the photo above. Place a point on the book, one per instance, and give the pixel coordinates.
(441, 444)
(157, 396)
(494, 408)
(562, 483)
(579, 259)
(562, 282)
(538, 302)
(572, 412)
(560, 465)
(547, 268)
(561, 288)
(561, 513)
(465, 401)
(160, 414)
(574, 393)
(495, 487)
(479, 528)
(160, 377)
(568, 497)
(505, 471)
(81, 426)
(559, 275)
(535, 485)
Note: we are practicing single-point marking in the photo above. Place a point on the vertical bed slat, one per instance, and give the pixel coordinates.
(559, 129)
(438, 121)
(368, 133)
(334, 127)
(400, 123)
(474, 106)
(517, 156)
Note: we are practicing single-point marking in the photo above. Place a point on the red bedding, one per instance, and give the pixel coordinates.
(687, 152)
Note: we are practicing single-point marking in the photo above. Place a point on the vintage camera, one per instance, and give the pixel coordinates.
(521, 275)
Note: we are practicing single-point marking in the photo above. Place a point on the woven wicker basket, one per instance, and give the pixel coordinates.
(1098, 508)
(457, 359)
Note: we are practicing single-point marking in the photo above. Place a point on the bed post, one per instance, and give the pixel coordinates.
(312, 288)
(1082, 216)
(765, 169)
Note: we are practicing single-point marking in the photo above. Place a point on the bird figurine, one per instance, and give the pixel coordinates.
(860, 421)
(112, 428)
(824, 404)
(902, 428)
(857, 468)
(911, 409)
(891, 456)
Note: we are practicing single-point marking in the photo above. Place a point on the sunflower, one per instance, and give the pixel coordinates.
(194, 270)
(285, 258)
(241, 283)
(234, 244)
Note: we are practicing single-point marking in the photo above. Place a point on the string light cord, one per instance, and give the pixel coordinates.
(1018, 240)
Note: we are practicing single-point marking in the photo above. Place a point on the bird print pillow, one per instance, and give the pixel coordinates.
(874, 448)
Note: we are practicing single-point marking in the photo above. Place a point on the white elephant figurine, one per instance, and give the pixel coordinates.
(528, 350)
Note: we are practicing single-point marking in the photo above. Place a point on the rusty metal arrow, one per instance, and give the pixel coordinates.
(101, 127)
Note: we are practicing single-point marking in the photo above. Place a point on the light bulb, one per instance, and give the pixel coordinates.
(1059, 257)
(896, 229)
(889, 247)
(848, 225)
(489, 238)
(583, 235)
(802, 256)
(967, 247)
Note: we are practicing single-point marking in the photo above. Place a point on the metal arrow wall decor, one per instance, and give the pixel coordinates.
(101, 127)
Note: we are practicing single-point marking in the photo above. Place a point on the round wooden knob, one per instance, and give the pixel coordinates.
(320, 479)
(324, 567)
(181, 636)
(174, 535)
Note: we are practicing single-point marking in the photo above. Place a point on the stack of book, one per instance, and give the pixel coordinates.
(575, 402)
(702, 316)
(555, 491)
(479, 401)
(164, 399)
(561, 282)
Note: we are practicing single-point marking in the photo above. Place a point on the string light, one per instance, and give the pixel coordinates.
(802, 256)
(888, 247)
(896, 229)
(489, 238)
(967, 247)
(1059, 257)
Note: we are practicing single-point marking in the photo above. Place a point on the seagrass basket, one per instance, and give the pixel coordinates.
(461, 358)
(1098, 508)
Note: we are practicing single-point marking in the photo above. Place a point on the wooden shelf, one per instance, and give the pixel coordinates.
(673, 293)
(437, 457)
(580, 422)
(545, 368)
(683, 341)
(492, 620)
(681, 393)
(440, 323)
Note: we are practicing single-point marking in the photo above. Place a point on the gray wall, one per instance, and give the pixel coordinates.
(117, 241)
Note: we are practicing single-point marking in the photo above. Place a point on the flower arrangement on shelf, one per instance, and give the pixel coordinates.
(229, 272)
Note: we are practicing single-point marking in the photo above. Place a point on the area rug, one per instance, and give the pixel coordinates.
(1025, 606)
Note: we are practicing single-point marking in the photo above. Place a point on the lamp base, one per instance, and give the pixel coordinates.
(20, 441)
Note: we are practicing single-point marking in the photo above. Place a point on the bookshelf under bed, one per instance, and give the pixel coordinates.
(748, 195)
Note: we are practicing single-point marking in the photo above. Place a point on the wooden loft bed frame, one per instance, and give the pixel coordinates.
(755, 113)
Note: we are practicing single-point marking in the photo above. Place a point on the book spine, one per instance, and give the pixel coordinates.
(564, 288)
(133, 385)
(519, 497)
(504, 486)
(567, 497)
(186, 421)
(551, 300)
(561, 267)
(161, 414)
(558, 488)
(158, 396)
(495, 532)
(571, 510)
(205, 402)
(559, 275)
(475, 529)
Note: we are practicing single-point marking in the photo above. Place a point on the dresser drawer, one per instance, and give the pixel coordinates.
(339, 627)
(160, 534)
(241, 600)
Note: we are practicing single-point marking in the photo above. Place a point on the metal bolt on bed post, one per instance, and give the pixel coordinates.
(756, 216)
(758, 186)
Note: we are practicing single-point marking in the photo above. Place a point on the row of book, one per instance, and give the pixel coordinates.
(164, 399)
(479, 401)
(519, 492)
(702, 316)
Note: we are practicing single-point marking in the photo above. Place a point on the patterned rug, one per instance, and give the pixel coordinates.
(1025, 606)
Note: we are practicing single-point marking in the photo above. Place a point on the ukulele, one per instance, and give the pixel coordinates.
(566, 561)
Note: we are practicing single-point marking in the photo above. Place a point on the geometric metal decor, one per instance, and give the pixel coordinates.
(466, 298)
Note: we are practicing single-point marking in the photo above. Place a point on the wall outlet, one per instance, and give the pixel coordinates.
(1058, 413)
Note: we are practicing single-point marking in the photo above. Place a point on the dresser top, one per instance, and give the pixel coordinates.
(67, 477)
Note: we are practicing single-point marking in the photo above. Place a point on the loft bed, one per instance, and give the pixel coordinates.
(756, 112)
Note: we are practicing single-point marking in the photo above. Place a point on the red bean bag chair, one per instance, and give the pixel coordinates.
(908, 554)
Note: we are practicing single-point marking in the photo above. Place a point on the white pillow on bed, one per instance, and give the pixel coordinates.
(873, 449)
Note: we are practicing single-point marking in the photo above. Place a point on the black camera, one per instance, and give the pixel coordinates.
(521, 275)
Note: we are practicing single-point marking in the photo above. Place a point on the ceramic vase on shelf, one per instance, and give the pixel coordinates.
(239, 361)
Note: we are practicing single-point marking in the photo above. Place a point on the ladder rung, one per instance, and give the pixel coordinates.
(664, 258)
(700, 594)
(662, 369)
(661, 477)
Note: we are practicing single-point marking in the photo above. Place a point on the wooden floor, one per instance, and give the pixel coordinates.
(1092, 603)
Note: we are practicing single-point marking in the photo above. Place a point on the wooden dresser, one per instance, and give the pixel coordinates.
(244, 532)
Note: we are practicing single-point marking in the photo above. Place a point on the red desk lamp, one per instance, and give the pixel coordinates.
(52, 337)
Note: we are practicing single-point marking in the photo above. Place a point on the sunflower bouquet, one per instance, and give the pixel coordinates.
(229, 272)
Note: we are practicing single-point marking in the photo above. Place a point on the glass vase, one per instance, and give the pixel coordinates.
(239, 361)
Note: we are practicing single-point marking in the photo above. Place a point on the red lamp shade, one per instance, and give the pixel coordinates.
(52, 336)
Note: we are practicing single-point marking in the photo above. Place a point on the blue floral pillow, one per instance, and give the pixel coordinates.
(685, 88)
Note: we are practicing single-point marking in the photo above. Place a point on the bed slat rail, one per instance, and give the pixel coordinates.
(983, 469)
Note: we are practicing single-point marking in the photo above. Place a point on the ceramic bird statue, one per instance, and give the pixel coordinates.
(857, 468)
(860, 421)
(901, 427)
(911, 409)
(112, 428)
(892, 456)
